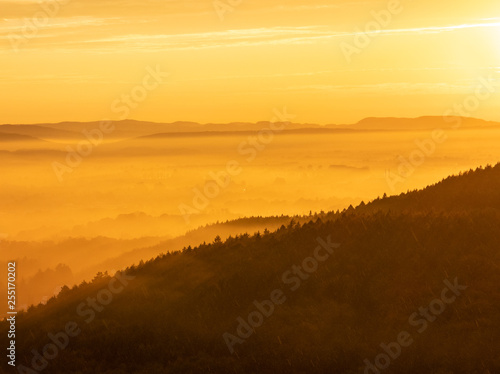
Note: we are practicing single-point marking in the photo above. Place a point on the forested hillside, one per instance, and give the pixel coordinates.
(330, 295)
(472, 190)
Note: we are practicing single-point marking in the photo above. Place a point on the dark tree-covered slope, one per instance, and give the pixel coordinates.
(395, 258)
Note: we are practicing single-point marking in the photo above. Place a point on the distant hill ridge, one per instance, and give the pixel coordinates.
(133, 128)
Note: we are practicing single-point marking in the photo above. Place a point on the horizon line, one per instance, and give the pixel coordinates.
(248, 122)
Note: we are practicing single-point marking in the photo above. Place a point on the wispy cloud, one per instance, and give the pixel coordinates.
(437, 29)
(203, 40)
(16, 25)
(406, 88)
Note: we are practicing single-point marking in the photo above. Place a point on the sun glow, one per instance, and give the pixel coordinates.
(261, 54)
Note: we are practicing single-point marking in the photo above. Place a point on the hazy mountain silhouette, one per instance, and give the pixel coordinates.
(36, 131)
(108, 254)
(131, 128)
(9, 137)
(417, 124)
(396, 256)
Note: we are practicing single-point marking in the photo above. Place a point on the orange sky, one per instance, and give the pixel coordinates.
(85, 55)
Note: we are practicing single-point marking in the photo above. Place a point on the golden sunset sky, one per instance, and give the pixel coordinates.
(240, 65)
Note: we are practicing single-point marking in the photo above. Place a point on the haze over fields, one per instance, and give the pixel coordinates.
(139, 180)
(204, 149)
(401, 282)
(147, 183)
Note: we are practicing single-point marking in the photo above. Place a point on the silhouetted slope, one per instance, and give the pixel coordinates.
(172, 316)
(471, 190)
(192, 238)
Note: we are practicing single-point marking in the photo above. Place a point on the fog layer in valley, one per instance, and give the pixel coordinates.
(141, 189)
